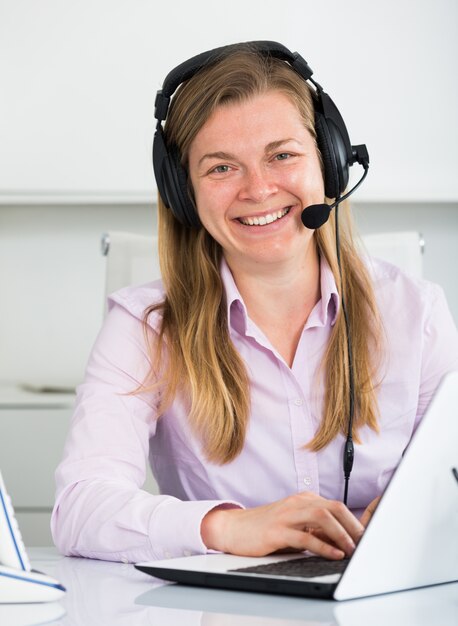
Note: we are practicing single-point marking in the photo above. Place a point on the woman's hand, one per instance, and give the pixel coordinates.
(302, 521)
(369, 512)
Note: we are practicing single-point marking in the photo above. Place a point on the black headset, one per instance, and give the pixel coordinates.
(332, 137)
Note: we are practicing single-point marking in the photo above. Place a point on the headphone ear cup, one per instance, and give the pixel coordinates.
(172, 182)
(160, 155)
(187, 209)
(325, 146)
(174, 177)
(334, 143)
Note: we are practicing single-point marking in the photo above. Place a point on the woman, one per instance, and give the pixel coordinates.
(240, 373)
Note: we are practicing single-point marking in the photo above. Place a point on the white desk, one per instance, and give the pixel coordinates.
(113, 594)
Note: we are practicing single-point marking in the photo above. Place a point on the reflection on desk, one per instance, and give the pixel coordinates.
(115, 594)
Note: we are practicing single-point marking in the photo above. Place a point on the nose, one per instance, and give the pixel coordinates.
(258, 184)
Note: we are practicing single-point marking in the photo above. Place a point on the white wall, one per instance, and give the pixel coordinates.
(79, 80)
(52, 277)
(76, 122)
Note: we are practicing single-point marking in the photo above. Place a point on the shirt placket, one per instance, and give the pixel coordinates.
(302, 431)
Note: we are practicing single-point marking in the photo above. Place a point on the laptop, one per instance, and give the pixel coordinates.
(411, 540)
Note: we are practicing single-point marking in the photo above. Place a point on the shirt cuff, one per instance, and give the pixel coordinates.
(174, 527)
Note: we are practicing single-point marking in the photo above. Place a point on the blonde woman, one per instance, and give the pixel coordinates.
(268, 355)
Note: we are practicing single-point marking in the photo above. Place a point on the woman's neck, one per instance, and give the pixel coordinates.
(280, 298)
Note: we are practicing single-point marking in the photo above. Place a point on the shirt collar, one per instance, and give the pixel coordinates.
(329, 303)
(237, 315)
(326, 309)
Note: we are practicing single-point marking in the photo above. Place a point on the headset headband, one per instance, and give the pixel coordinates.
(332, 137)
(188, 68)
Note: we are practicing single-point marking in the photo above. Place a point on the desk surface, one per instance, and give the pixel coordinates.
(116, 594)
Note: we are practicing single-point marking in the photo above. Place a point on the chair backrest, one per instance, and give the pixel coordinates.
(403, 248)
(133, 259)
(130, 259)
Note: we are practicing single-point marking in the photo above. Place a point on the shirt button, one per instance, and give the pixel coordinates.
(298, 402)
(124, 559)
(307, 481)
(167, 554)
(187, 553)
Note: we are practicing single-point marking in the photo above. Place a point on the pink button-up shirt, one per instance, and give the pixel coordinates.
(101, 510)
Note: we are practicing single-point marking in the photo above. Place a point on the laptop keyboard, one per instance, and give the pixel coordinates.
(307, 567)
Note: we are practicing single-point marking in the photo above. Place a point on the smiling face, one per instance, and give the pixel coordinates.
(254, 167)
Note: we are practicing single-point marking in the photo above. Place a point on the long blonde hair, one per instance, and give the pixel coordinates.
(194, 351)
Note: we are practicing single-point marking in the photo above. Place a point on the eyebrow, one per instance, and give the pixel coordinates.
(273, 145)
(224, 156)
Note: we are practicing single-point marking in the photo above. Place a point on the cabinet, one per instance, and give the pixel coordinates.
(33, 428)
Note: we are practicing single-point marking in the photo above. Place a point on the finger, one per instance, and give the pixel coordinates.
(369, 512)
(320, 534)
(346, 519)
(329, 529)
(300, 540)
(321, 523)
(327, 520)
(333, 522)
(365, 518)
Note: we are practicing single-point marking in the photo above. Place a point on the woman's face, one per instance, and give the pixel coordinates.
(253, 168)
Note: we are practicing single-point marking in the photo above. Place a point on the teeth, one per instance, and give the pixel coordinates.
(264, 219)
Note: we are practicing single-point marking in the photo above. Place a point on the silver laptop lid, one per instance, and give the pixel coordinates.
(412, 539)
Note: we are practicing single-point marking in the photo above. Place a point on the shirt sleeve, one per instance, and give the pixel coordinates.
(439, 350)
(100, 509)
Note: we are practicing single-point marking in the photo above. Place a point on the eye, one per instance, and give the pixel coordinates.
(220, 169)
(282, 156)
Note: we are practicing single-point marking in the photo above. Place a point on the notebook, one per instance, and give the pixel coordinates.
(411, 540)
(19, 583)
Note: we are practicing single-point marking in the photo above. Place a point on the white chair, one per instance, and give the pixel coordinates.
(403, 248)
(133, 259)
(130, 260)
